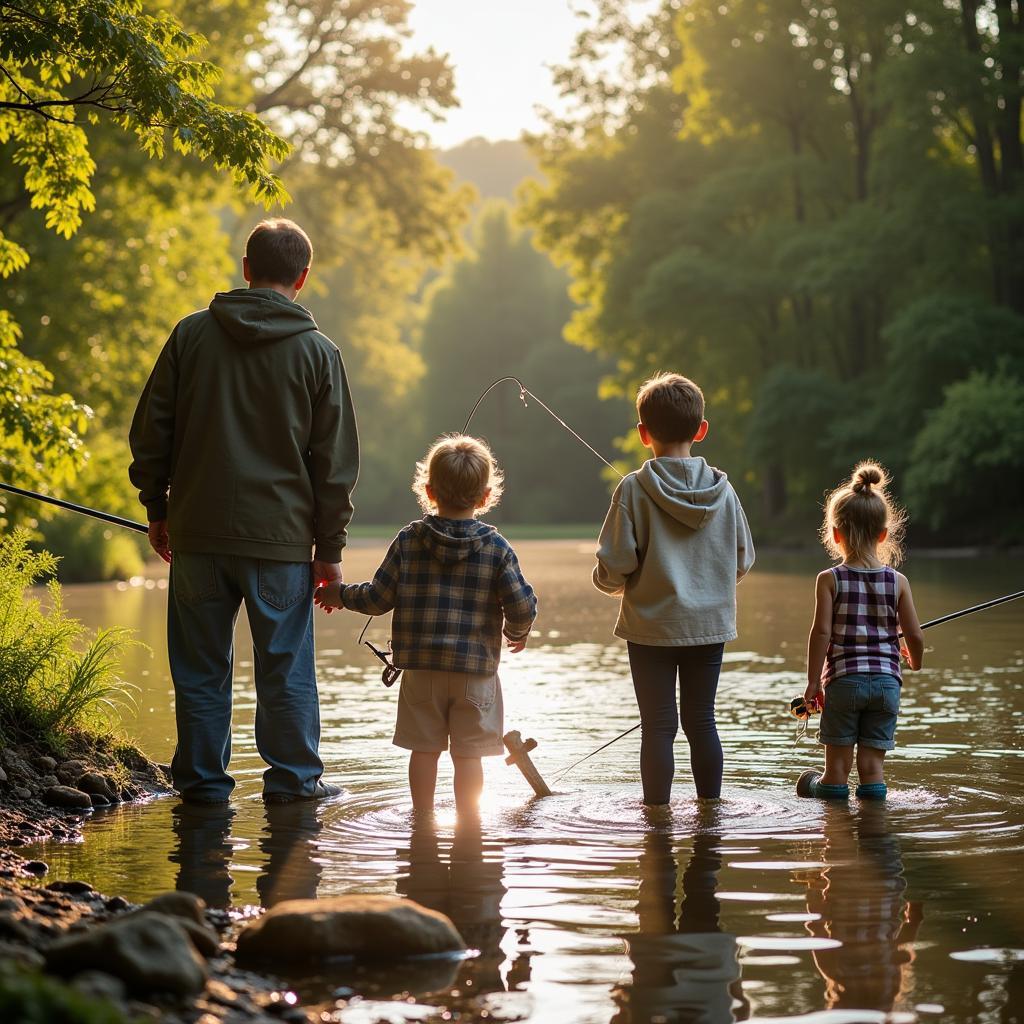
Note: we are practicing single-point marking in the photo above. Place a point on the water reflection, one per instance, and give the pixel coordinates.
(859, 898)
(685, 967)
(467, 885)
(291, 867)
(203, 850)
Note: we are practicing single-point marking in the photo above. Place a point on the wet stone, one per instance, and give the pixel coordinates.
(150, 953)
(73, 887)
(36, 867)
(95, 783)
(116, 904)
(65, 796)
(364, 926)
(176, 904)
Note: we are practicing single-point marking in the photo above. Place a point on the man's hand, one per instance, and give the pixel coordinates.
(159, 539)
(324, 573)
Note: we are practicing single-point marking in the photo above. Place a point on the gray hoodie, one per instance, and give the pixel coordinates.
(673, 546)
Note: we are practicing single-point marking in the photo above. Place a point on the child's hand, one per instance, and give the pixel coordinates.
(328, 596)
(515, 646)
(906, 656)
(813, 690)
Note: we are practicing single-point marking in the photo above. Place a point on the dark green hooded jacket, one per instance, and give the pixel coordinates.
(247, 422)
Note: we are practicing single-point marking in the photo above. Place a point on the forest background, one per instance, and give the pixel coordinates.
(815, 210)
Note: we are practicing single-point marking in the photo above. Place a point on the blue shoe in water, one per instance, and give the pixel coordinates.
(872, 791)
(809, 785)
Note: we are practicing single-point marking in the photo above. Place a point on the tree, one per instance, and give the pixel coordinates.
(773, 197)
(501, 311)
(66, 68)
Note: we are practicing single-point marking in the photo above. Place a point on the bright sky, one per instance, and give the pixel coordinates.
(500, 49)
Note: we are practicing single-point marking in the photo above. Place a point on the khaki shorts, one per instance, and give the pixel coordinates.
(434, 706)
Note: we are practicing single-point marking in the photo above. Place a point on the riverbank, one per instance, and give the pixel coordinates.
(53, 934)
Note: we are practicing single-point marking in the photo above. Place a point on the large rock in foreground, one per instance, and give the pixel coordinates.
(148, 952)
(372, 927)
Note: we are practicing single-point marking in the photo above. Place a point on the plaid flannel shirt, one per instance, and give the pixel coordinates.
(864, 624)
(451, 583)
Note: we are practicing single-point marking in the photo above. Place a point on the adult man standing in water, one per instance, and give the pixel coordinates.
(245, 454)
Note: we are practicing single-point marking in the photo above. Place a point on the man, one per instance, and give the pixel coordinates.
(245, 454)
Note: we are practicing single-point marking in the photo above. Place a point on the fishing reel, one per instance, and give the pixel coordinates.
(801, 709)
(391, 673)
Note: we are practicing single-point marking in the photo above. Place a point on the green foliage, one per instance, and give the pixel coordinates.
(967, 468)
(54, 680)
(754, 201)
(500, 311)
(32, 998)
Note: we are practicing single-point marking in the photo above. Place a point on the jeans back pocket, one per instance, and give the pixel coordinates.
(480, 691)
(282, 584)
(193, 577)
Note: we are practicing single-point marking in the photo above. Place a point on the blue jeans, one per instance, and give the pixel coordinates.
(205, 596)
(861, 709)
(655, 672)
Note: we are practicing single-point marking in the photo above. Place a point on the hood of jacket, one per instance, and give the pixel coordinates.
(451, 540)
(689, 490)
(256, 316)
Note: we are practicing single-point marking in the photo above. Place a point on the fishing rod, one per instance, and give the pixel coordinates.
(390, 673)
(82, 510)
(924, 625)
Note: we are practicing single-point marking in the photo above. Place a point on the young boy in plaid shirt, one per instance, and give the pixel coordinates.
(455, 587)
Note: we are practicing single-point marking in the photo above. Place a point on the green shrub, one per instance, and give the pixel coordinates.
(31, 998)
(55, 679)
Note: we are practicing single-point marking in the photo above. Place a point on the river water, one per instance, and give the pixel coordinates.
(764, 907)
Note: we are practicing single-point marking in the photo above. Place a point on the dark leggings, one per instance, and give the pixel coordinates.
(655, 670)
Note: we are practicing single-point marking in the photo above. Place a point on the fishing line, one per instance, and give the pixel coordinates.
(390, 673)
(924, 625)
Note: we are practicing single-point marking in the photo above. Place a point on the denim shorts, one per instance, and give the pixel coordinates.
(861, 709)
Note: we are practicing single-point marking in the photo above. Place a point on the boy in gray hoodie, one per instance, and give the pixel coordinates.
(673, 547)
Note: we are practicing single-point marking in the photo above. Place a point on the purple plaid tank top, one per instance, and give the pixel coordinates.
(864, 623)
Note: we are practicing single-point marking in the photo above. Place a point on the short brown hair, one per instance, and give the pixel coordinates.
(278, 251)
(859, 511)
(459, 470)
(671, 407)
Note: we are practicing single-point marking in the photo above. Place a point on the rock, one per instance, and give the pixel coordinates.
(71, 888)
(364, 926)
(22, 793)
(116, 904)
(148, 952)
(49, 780)
(99, 800)
(12, 903)
(176, 904)
(36, 867)
(65, 796)
(14, 952)
(99, 985)
(70, 772)
(12, 928)
(45, 764)
(204, 939)
(3, 775)
(94, 783)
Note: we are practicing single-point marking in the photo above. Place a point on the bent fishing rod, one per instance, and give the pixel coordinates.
(1006, 598)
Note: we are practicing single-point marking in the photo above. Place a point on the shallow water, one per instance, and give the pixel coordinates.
(763, 907)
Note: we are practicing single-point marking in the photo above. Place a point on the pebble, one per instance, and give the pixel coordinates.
(22, 793)
(46, 764)
(49, 780)
(36, 867)
(116, 904)
(3, 775)
(95, 783)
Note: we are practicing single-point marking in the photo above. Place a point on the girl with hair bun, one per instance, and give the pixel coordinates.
(853, 651)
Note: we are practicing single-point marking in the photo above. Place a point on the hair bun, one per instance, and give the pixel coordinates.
(868, 475)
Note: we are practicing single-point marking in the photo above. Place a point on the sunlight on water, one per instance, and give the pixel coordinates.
(581, 906)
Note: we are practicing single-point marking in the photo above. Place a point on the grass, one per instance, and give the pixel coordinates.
(56, 680)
